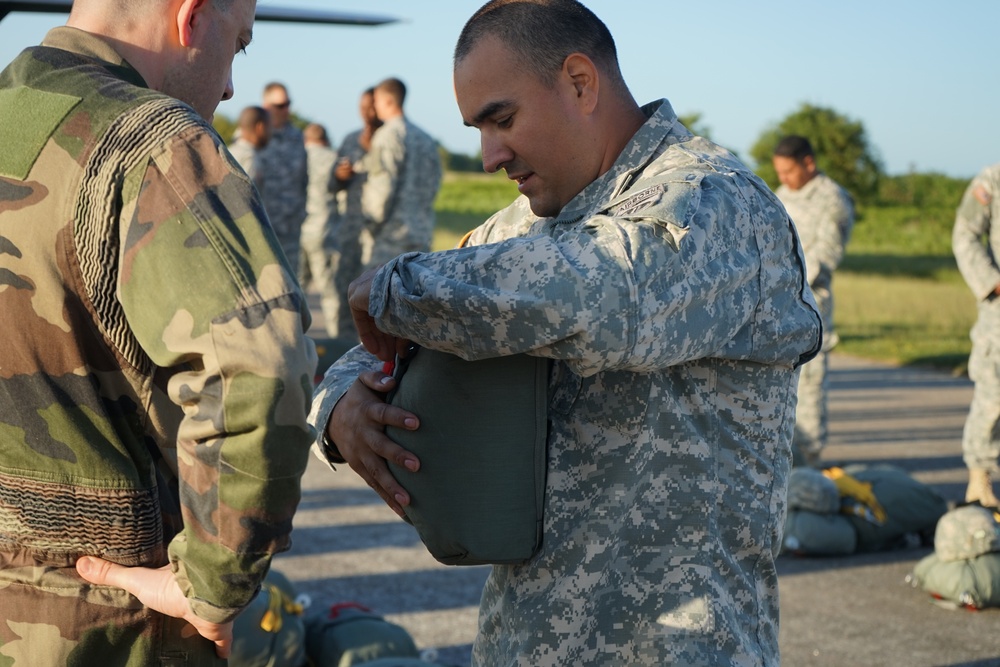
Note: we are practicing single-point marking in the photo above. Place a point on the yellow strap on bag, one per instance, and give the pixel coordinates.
(860, 491)
(271, 621)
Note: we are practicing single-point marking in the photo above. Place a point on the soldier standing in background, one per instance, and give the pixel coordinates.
(319, 248)
(665, 283)
(354, 241)
(403, 176)
(154, 371)
(823, 214)
(285, 173)
(254, 127)
(976, 244)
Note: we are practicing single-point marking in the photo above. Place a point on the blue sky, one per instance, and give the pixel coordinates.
(920, 75)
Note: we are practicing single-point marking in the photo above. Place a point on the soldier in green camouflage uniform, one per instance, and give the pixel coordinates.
(403, 172)
(154, 373)
(666, 282)
(286, 177)
(319, 244)
(823, 214)
(976, 244)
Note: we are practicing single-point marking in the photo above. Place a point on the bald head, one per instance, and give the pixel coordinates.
(183, 48)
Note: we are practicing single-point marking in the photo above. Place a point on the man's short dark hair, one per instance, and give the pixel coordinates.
(250, 116)
(794, 146)
(542, 33)
(394, 88)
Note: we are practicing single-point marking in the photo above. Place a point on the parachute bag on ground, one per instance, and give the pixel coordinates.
(911, 507)
(270, 632)
(351, 634)
(478, 496)
(973, 583)
(813, 534)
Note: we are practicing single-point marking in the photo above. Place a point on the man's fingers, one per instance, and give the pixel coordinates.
(224, 645)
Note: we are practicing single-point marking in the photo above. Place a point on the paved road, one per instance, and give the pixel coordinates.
(836, 612)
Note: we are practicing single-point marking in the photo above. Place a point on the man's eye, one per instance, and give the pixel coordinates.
(505, 122)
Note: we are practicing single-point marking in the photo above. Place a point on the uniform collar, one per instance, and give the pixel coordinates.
(94, 47)
(661, 126)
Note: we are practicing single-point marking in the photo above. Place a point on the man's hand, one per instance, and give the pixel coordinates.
(357, 427)
(344, 172)
(158, 590)
(382, 345)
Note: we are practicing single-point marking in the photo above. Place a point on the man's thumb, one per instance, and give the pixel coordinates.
(95, 570)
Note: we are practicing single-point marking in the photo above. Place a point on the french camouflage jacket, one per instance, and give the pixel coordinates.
(154, 373)
(671, 294)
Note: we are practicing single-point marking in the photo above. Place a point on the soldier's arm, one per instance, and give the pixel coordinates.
(211, 300)
(972, 225)
(350, 414)
(835, 223)
(608, 294)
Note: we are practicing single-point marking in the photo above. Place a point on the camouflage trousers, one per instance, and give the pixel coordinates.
(981, 435)
(317, 268)
(49, 617)
(811, 411)
(347, 266)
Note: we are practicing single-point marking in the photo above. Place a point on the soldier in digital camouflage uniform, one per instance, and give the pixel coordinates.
(284, 164)
(976, 244)
(403, 174)
(353, 238)
(667, 284)
(319, 245)
(154, 373)
(823, 214)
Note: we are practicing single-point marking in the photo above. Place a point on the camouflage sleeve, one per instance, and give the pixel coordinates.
(672, 284)
(972, 225)
(834, 224)
(209, 298)
(383, 163)
(337, 380)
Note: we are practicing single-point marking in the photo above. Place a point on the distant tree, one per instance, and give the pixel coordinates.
(692, 121)
(459, 161)
(841, 145)
(928, 190)
(225, 126)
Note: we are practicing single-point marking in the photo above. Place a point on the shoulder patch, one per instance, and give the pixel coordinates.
(982, 195)
(640, 200)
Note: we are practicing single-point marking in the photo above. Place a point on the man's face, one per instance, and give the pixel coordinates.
(529, 129)
(263, 132)
(793, 173)
(202, 77)
(381, 103)
(367, 109)
(278, 106)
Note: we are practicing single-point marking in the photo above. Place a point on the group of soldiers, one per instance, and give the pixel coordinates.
(338, 212)
(824, 215)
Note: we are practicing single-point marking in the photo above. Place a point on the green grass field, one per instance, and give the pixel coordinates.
(898, 295)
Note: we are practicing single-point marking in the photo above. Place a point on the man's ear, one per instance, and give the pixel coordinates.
(188, 18)
(582, 74)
